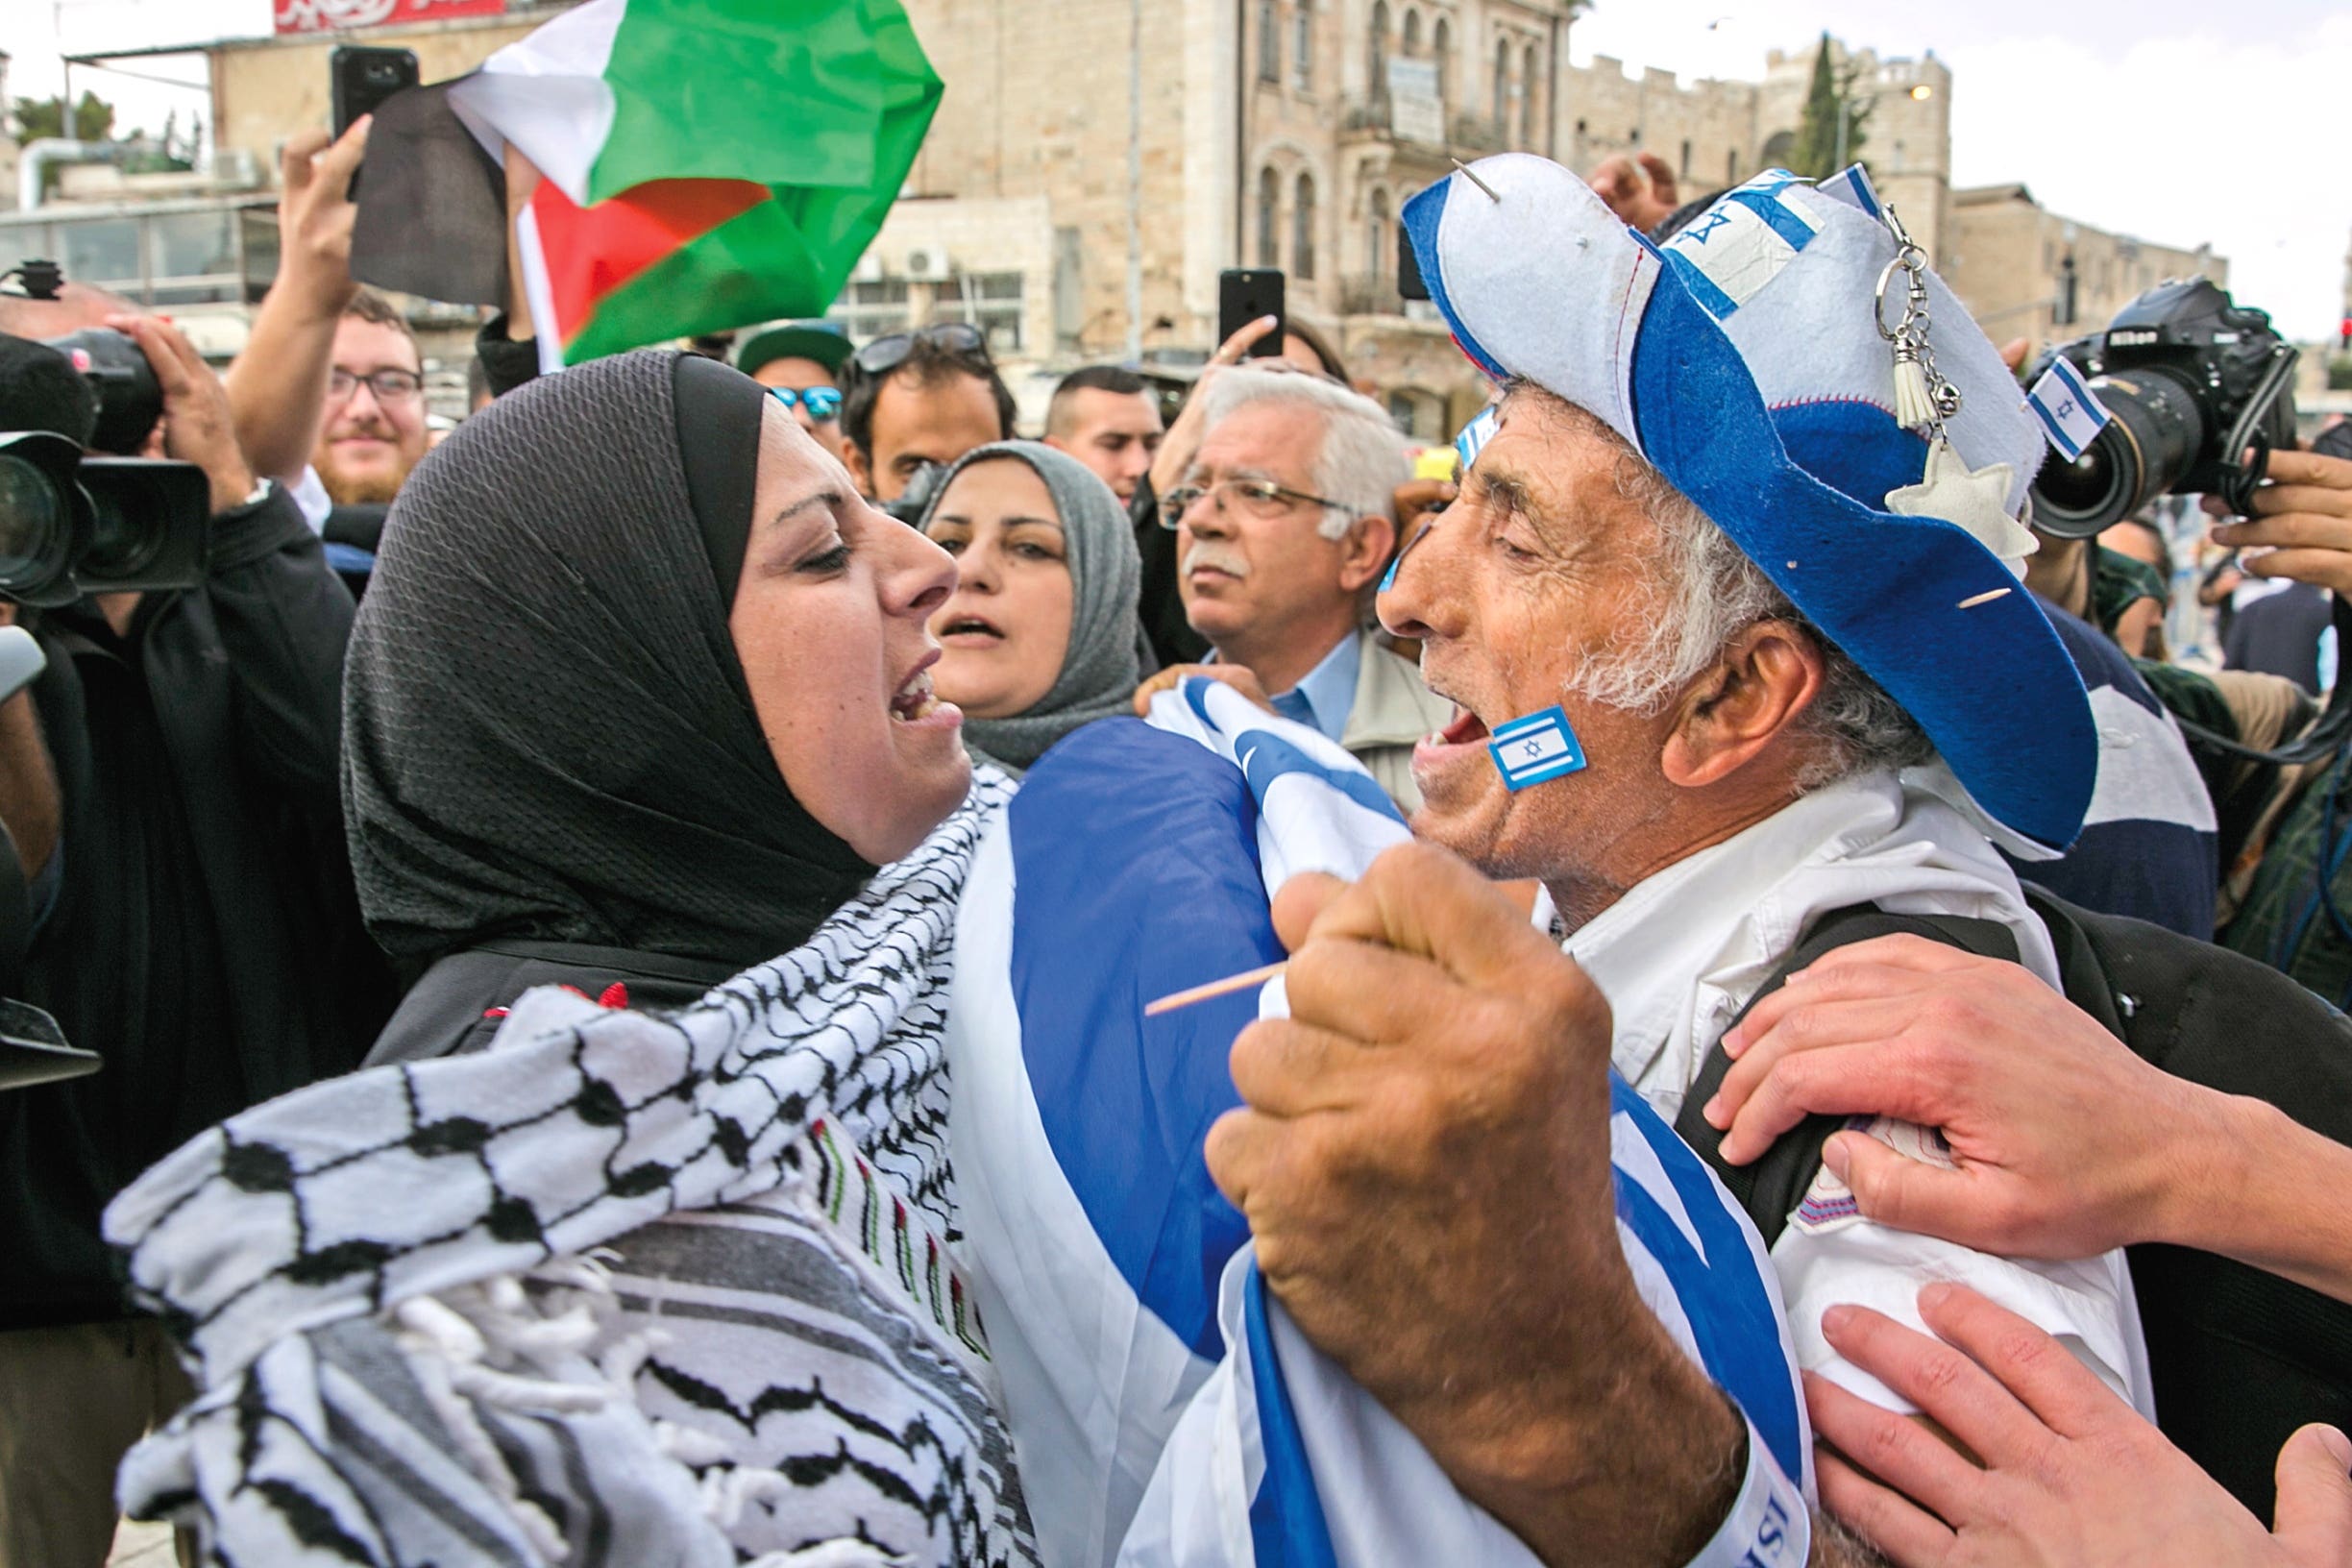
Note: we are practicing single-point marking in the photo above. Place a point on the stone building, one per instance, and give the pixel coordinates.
(1272, 133)
(2024, 271)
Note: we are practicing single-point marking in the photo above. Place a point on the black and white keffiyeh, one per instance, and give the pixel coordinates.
(620, 1290)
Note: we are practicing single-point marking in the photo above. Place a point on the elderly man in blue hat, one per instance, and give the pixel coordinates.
(1731, 614)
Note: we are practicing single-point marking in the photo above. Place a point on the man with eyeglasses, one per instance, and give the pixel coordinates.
(374, 431)
(1283, 528)
(918, 401)
(799, 363)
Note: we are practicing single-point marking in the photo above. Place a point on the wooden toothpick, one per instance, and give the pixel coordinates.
(1475, 180)
(1211, 991)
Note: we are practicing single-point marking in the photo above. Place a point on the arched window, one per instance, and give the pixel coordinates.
(1302, 46)
(1377, 243)
(1441, 49)
(1379, 61)
(1409, 46)
(1528, 78)
(1303, 229)
(1269, 194)
(1270, 42)
(1501, 89)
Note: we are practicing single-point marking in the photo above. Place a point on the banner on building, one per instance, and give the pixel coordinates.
(1416, 112)
(340, 15)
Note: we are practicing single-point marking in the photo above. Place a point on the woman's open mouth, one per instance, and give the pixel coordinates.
(916, 703)
(971, 631)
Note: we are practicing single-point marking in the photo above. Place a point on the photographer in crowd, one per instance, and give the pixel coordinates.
(198, 929)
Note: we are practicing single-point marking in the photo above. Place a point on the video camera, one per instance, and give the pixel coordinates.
(71, 525)
(2192, 380)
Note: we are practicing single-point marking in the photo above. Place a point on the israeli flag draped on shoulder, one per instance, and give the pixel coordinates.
(1164, 1408)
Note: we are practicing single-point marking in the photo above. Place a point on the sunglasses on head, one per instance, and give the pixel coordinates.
(822, 403)
(885, 354)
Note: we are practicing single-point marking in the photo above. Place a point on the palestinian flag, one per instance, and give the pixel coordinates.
(705, 164)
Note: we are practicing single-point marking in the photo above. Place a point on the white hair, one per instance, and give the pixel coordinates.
(1361, 460)
(1704, 594)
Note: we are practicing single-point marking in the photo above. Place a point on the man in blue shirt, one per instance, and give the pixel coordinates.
(1283, 526)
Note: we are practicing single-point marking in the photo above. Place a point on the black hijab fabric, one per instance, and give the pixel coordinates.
(547, 732)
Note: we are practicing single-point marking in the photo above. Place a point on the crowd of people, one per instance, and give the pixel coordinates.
(1843, 795)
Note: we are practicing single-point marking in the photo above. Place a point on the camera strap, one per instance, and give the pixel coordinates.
(2240, 477)
(2326, 736)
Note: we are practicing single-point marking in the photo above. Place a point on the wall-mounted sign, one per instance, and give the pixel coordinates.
(1415, 112)
(340, 15)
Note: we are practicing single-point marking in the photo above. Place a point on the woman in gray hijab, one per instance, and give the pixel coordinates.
(1041, 633)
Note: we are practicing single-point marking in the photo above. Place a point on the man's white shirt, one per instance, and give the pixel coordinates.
(1681, 954)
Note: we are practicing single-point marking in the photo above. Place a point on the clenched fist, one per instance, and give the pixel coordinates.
(1423, 1156)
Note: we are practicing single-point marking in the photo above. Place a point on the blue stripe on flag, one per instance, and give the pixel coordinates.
(2056, 432)
(1267, 756)
(1720, 1290)
(1123, 830)
(1718, 305)
(2064, 370)
(1857, 180)
(1474, 437)
(1288, 1529)
(1778, 216)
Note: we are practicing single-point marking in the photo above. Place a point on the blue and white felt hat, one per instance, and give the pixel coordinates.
(1744, 362)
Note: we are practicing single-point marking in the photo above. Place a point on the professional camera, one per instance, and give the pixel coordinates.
(2192, 380)
(71, 525)
(130, 398)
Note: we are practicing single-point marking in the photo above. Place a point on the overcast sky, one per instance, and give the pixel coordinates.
(2179, 121)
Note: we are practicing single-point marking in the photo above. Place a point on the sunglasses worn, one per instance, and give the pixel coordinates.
(885, 354)
(822, 403)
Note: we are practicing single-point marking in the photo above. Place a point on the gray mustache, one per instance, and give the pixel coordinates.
(1214, 555)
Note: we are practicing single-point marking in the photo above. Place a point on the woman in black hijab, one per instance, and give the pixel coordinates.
(607, 726)
(640, 698)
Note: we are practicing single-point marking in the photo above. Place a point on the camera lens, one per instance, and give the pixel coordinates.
(34, 527)
(2152, 441)
(118, 546)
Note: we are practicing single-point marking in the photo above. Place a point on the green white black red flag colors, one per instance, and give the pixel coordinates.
(707, 164)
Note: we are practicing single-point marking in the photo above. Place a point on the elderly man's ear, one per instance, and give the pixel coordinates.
(1743, 706)
(1364, 551)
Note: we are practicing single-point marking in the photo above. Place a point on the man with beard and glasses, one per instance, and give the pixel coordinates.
(374, 426)
(328, 393)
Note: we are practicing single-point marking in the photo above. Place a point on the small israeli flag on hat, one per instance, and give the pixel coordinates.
(1474, 438)
(2072, 414)
(1744, 362)
(1536, 749)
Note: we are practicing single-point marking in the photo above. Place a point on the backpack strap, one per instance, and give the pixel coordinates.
(1771, 1187)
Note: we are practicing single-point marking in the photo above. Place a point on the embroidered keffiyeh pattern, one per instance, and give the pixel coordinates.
(620, 1288)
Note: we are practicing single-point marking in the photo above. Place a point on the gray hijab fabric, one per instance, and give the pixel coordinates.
(1103, 663)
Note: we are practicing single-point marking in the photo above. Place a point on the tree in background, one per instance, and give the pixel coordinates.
(93, 118)
(1815, 156)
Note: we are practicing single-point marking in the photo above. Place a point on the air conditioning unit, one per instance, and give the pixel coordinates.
(928, 262)
(868, 268)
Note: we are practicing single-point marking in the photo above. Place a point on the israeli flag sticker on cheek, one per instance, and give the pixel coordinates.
(1536, 749)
